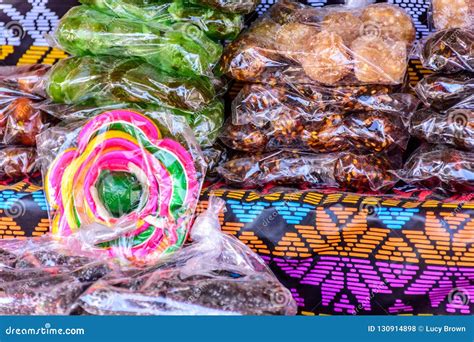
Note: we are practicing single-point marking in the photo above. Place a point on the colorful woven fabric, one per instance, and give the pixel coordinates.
(353, 254)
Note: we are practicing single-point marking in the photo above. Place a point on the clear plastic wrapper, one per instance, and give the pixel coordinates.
(206, 123)
(24, 81)
(215, 275)
(229, 6)
(370, 131)
(213, 23)
(260, 103)
(215, 155)
(346, 170)
(125, 184)
(452, 13)
(93, 81)
(449, 51)
(441, 167)
(43, 277)
(17, 162)
(178, 48)
(454, 127)
(444, 91)
(20, 120)
(335, 45)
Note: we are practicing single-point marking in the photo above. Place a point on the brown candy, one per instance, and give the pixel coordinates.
(363, 172)
(292, 39)
(376, 131)
(326, 136)
(244, 137)
(327, 60)
(23, 122)
(17, 162)
(378, 61)
(440, 166)
(453, 13)
(345, 170)
(388, 22)
(345, 24)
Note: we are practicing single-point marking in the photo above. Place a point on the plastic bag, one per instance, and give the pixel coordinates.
(126, 184)
(23, 81)
(206, 123)
(20, 121)
(294, 43)
(451, 14)
(229, 6)
(371, 131)
(44, 277)
(440, 167)
(213, 23)
(179, 48)
(215, 275)
(455, 127)
(345, 170)
(94, 81)
(17, 162)
(215, 155)
(444, 91)
(257, 103)
(449, 51)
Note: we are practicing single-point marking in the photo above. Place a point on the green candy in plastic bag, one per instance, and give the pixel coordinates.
(215, 24)
(178, 48)
(93, 80)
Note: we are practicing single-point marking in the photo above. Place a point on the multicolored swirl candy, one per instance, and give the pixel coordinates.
(122, 172)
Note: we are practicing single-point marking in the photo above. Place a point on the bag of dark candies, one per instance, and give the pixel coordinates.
(41, 276)
(344, 170)
(441, 92)
(214, 275)
(449, 51)
(440, 167)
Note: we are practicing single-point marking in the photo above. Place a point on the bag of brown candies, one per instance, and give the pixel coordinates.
(27, 80)
(42, 277)
(344, 170)
(333, 45)
(452, 13)
(454, 127)
(449, 51)
(17, 162)
(21, 90)
(441, 92)
(318, 119)
(440, 167)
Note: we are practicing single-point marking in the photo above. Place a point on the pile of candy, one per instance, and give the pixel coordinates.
(216, 274)
(326, 80)
(21, 120)
(447, 118)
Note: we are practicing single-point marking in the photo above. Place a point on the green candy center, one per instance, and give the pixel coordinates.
(119, 192)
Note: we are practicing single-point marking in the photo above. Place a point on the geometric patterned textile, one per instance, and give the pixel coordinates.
(354, 254)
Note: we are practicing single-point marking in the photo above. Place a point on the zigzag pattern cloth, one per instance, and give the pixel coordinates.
(355, 254)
